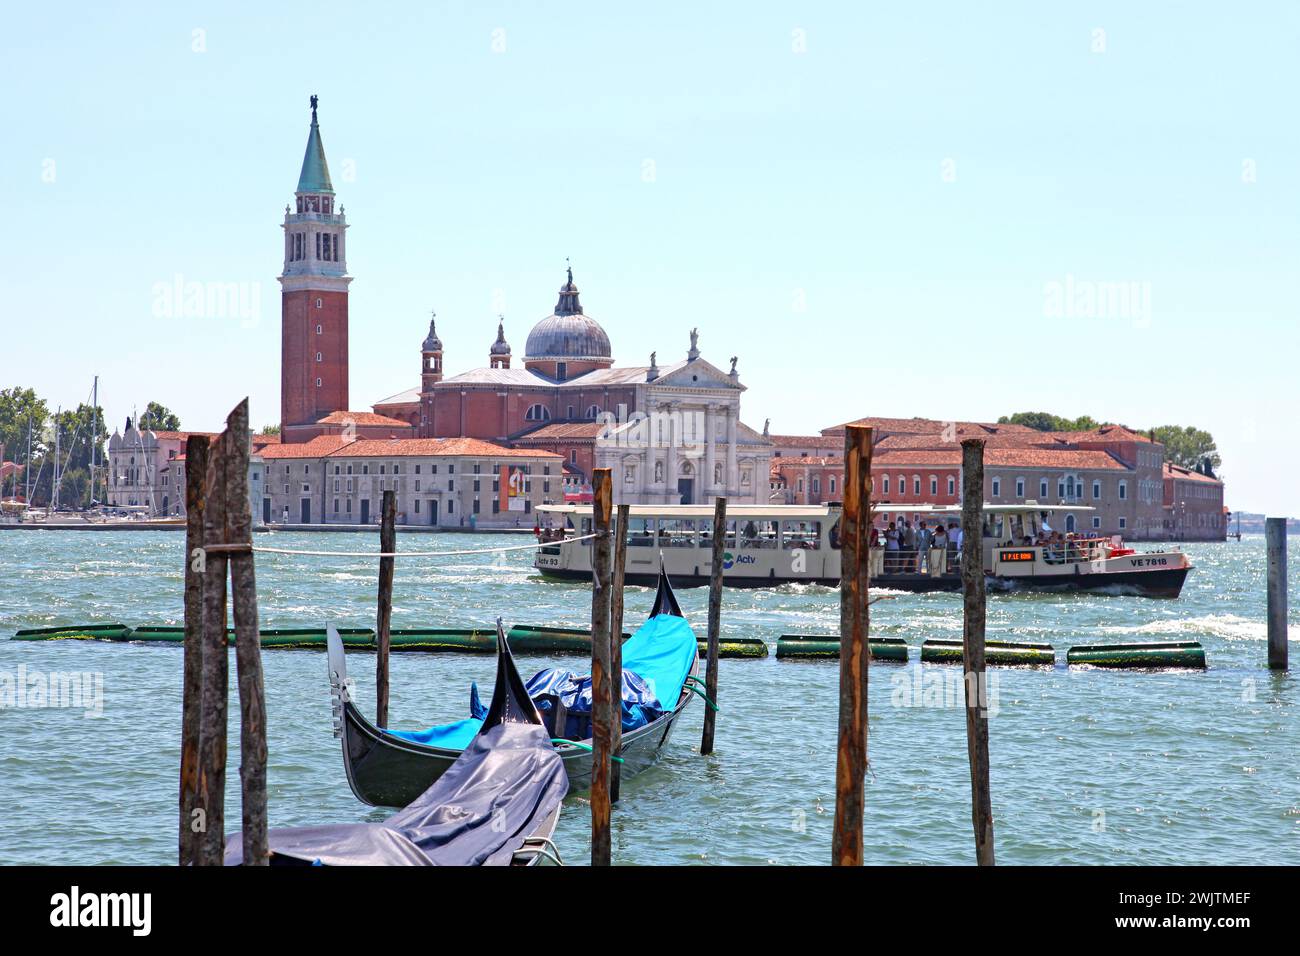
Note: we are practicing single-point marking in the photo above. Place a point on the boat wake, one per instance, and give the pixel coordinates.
(1229, 627)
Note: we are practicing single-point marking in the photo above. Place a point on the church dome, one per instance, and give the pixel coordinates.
(567, 333)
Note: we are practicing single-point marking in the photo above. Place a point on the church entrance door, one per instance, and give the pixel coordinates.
(686, 488)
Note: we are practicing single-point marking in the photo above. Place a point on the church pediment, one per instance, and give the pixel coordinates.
(697, 374)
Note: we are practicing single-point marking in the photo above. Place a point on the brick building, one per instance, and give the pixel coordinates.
(1119, 475)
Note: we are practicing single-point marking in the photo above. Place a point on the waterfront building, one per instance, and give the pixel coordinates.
(1118, 474)
(145, 470)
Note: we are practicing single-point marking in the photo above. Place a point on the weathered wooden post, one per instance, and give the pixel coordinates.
(601, 697)
(973, 594)
(855, 658)
(210, 797)
(196, 474)
(616, 648)
(248, 648)
(384, 617)
(715, 623)
(1275, 541)
(227, 521)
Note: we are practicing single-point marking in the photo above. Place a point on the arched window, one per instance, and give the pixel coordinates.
(593, 412)
(537, 413)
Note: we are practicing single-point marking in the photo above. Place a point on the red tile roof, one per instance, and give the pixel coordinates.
(1188, 474)
(820, 461)
(361, 418)
(926, 426)
(1103, 433)
(567, 431)
(465, 447)
(807, 441)
(318, 447)
(180, 436)
(1052, 458)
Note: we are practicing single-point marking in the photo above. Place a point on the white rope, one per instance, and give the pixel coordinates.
(417, 554)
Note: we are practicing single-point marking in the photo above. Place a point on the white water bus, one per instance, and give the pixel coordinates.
(775, 544)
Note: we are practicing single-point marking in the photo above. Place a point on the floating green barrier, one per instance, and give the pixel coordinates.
(576, 640)
(462, 639)
(813, 646)
(315, 636)
(1011, 653)
(538, 638)
(1159, 654)
(75, 632)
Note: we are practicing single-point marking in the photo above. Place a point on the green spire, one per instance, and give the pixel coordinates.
(315, 177)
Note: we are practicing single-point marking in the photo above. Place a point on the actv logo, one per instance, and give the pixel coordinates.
(75, 909)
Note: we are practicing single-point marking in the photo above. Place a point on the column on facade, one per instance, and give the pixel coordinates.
(710, 456)
(670, 467)
(733, 475)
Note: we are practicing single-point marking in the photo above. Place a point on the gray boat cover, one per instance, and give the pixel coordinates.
(500, 790)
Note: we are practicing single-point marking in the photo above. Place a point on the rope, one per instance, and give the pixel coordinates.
(415, 554)
(695, 690)
(581, 746)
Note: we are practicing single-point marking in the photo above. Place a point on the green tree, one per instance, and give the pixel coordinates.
(158, 418)
(270, 429)
(18, 407)
(1047, 422)
(1188, 446)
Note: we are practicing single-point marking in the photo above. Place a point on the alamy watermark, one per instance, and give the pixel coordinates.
(1072, 298)
(32, 689)
(191, 299)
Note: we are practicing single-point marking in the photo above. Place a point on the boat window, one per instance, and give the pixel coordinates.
(993, 526)
(706, 534)
(1017, 529)
(805, 535)
(758, 533)
(677, 532)
(640, 532)
(586, 530)
(835, 535)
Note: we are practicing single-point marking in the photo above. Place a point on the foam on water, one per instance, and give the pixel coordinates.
(1088, 766)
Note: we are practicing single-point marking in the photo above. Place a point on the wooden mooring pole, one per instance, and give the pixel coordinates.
(855, 658)
(248, 645)
(1275, 541)
(222, 507)
(602, 711)
(715, 623)
(973, 595)
(384, 616)
(196, 475)
(616, 647)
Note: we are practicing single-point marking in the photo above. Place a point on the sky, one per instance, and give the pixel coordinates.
(946, 210)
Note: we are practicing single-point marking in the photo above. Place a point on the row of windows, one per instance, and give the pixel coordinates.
(327, 246)
(1068, 488)
(916, 485)
(476, 468)
(540, 413)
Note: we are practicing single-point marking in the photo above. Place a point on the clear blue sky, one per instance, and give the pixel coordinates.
(872, 225)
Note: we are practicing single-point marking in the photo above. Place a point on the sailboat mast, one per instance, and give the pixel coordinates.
(94, 437)
(55, 494)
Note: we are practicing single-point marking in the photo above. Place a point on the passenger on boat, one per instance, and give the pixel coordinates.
(939, 549)
(891, 549)
(922, 548)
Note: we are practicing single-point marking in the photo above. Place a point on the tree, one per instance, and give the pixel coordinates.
(1188, 446)
(158, 418)
(270, 429)
(1047, 422)
(18, 407)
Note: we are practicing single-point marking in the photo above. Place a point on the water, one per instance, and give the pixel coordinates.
(1087, 766)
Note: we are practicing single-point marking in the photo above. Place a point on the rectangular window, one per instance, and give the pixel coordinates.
(934, 485)
(886, 484)
(318, 245)
(318, 356)
(1096, 522)
(417, 505)
(1096, 490)
(417, 480)
(916, 486)
(1042, 489)
(1123, 523)
(997, 487)
(451, 507)
(451, 484)
(336, 507)
(1123, 492)
(476, 506)
(1020, 487)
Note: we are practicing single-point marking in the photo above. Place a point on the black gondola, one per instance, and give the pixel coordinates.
(497, 804)
(390, 771)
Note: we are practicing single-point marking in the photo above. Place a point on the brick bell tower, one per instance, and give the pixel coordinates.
(314, 300)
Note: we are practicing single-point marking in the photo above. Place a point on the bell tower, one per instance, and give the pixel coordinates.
(313, 300)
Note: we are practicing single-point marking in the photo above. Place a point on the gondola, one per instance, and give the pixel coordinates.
(387, 769)
(497, 804)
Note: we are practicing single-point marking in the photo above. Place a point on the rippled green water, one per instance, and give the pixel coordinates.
(1088, 766)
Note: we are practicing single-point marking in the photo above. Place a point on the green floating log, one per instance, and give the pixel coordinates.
(575, 640)
(292, 637)
(1011, 653)
(1159, 654)
(814, 646)
(464, 640)
(75, 632)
